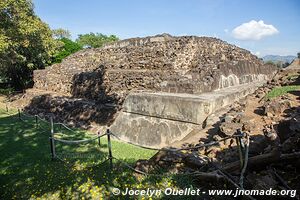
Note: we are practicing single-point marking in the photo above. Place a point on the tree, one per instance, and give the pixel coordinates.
(67, 49)
(95, 39)
(298, 54)
(26, 43)
(61, 33)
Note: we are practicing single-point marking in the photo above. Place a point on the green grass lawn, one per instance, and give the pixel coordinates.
(278, 91)
(27, 172)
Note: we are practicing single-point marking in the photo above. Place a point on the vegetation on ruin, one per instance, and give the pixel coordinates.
(95, 40)
(279, 91)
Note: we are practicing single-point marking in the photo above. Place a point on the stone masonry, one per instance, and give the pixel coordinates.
(164, 63)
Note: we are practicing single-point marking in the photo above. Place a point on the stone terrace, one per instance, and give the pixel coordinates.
(161, 63)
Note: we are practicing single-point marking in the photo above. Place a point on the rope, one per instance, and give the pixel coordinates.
(180, 149)
(135, 170)
(42, 119)
(149, 148)
(77, 141)
(27, 115)
(65, 126)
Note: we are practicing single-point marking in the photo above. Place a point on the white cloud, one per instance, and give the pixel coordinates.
(226, 30)
(254, 30)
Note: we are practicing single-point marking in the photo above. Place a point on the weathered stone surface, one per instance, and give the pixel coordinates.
(162, 63)
(184, 107)
(149, 131)
(159, 119)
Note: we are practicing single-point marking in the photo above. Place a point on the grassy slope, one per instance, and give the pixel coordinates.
(278, 91)
(26, 170)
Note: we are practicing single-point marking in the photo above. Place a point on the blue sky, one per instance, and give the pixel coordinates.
(261, 26)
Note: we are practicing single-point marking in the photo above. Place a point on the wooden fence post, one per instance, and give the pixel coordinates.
(99, 142)
(52, 144)
(19, 113)
(109, 149)
(36, 121)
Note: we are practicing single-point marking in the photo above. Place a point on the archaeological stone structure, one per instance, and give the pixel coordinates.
(165, 86)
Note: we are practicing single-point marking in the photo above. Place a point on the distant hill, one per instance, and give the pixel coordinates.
(277, 58)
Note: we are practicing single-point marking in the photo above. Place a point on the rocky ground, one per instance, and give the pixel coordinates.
(273, 127)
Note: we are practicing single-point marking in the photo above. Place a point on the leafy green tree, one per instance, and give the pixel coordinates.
(68, 48)
(26, 43)
(95, 39)
(61, 33)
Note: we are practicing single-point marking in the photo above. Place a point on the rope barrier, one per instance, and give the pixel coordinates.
(65, 126)
(149, 148)
(239, 136)
(180, 149)
(77, 141)
(42, 119)
(27, 115)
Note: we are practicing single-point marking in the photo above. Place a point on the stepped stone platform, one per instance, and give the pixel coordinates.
(160, 119)
(161, 63)
(183, 79)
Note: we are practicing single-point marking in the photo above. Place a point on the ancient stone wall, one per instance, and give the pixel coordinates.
(162, 63)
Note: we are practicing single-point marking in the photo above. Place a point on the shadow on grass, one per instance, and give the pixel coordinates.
(27, 170)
